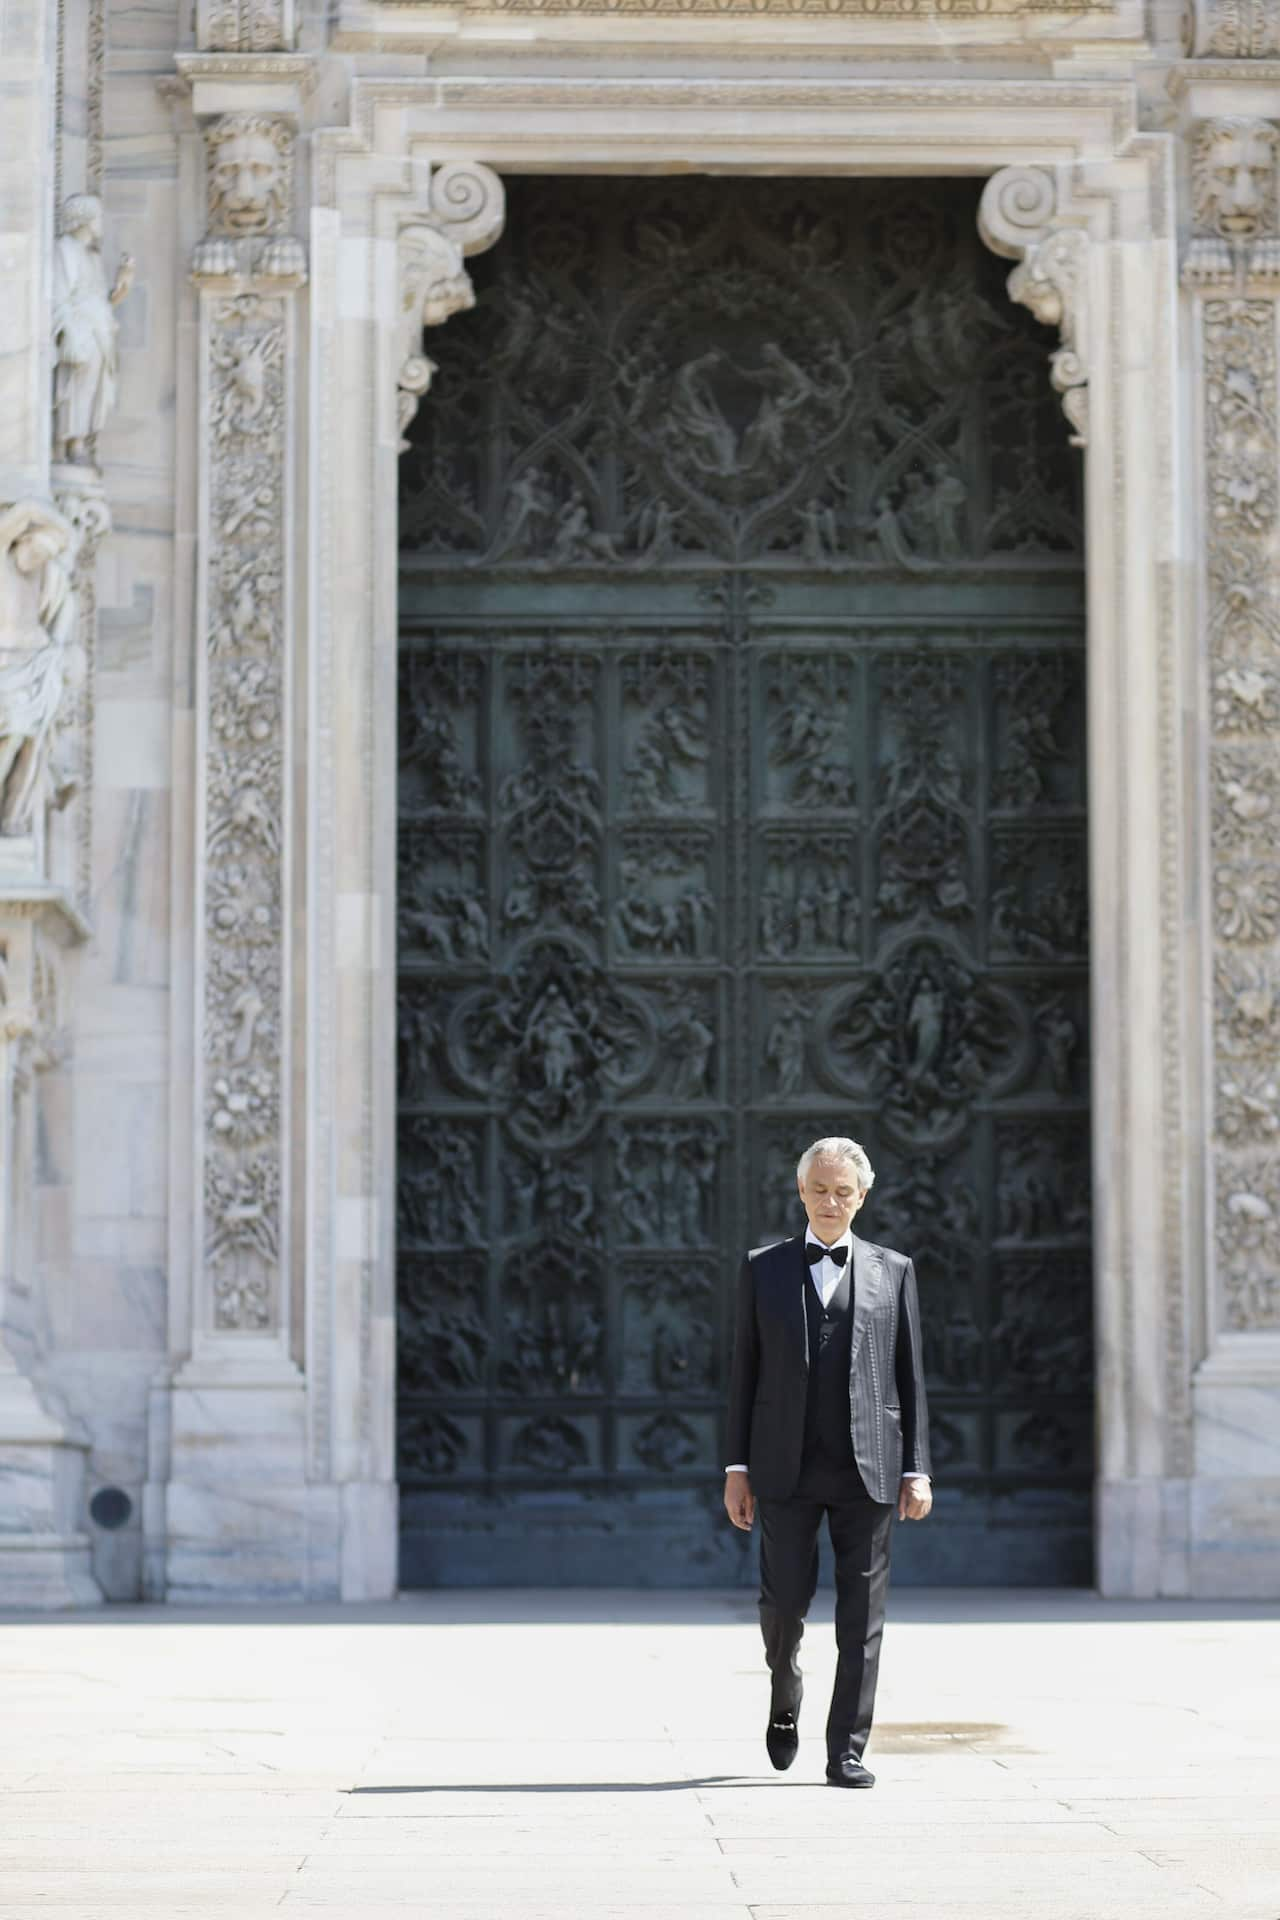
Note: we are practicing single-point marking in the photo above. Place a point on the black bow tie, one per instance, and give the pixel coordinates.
(814, 1252)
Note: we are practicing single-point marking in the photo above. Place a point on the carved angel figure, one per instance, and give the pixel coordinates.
(37, 622)
(84, 327)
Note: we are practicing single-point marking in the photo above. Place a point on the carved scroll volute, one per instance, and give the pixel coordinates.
(1018, 218)
(464, 215)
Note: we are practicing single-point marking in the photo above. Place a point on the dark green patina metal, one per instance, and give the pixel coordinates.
(742, 801)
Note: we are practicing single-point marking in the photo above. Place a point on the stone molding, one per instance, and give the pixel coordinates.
(1018, 219)
(905, 9)
(464, 215)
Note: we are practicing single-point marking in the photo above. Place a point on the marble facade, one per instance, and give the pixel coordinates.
(226, 241)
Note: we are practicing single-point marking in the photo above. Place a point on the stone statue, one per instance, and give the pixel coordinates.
(39, 650)
(84, 328)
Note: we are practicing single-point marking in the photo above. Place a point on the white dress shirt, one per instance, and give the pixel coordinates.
(825, 1275)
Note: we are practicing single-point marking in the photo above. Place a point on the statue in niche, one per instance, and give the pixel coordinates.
(773, 926)
(575, 538)
(924, 1025)
(784, 1045)
(689, 1043)
(84, 329)
(1060, 1040)
(673, 735)
(808, 740)
(706, 436)
(786, 389)
(40, 658)
(820, 535)
(529, 517)
(656, 529)
(637, 921)
(1029, 738)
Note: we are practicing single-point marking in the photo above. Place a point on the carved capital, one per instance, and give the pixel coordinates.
(464, 215)
(1233, 29)
(1018, 217)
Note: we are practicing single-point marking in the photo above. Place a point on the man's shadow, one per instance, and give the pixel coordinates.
(590, 1786)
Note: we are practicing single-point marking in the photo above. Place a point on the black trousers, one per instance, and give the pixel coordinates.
(861, 1530)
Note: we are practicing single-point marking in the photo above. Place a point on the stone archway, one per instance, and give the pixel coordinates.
(742, 741)
(399, 198)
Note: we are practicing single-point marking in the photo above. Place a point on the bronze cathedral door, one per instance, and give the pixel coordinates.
(741, 739)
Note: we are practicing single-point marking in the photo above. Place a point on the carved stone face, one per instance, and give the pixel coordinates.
(248, 186)
(1235, 178)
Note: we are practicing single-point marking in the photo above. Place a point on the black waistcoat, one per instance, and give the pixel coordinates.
(827, 1439)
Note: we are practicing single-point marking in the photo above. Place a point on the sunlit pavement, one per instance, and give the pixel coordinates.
(596, 1754)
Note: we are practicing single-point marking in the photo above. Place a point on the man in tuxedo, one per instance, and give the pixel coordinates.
(827, 1415)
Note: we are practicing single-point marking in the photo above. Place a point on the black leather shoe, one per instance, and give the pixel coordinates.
(850, 1773)
(782, 1737)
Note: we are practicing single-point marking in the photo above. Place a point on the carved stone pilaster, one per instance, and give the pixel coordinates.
(464, 215)
(246, 268)
(1019, 218)
(1234, 29)
(1239, 372)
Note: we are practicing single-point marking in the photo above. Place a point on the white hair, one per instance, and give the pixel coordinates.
(835, 1148)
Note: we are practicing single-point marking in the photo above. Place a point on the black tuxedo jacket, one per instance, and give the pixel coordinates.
(888, 1413)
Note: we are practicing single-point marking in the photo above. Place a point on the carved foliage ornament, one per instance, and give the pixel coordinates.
(1018, 218)
(464, 215)
(243, 808)
(1239, 384)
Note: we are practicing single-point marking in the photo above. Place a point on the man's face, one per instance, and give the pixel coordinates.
(831, 1196)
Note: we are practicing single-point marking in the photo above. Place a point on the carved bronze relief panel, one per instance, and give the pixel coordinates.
(741, 763)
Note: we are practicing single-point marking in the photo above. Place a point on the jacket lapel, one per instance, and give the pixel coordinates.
(868, 1276)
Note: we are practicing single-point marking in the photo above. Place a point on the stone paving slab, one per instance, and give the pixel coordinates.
(600, 1757)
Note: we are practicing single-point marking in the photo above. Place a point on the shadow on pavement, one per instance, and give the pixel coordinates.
(734, 1780)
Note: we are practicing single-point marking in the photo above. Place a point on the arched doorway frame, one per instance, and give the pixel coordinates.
(1082, 202)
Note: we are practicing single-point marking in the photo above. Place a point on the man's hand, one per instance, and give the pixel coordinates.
(739, 1501)
(915, 1496)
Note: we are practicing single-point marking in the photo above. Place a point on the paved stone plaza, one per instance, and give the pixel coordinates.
(536, 1755)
